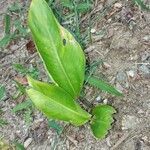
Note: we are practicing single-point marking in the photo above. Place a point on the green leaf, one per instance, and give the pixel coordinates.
(32, 71)
(60, 52)
(53, 124)
(7, 24)
(68, 4)
(15, 7)
(24, 105)
(5, 40)
(19, 146)
(20, 68)
(3, 122)
(28, 116)
(83, 7)
(102, 120)
(2, 92)
(20, 87)
(102, 85)
(55, 103)
(142, 5)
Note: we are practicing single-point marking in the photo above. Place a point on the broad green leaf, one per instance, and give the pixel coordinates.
(60, 52)
(55, 103)
(102, 120)
(102, 85)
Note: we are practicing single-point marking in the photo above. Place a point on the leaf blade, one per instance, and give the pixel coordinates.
(7, 24)
(64, 61)
(24, 105)
(102, 120)
(55, 103)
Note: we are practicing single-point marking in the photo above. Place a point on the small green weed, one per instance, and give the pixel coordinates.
(142, 5)
(26, 107)
(18, 146)
(3, 122)
(2, 92)
(22, 106)
(32, 71)
(14, 28)
(54, 125)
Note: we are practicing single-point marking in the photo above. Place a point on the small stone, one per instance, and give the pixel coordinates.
(119, 87)
(14, 47)
(131, 73)
(93, 30)
(129, 145)
(109, 20)
(108, 141)
(146, 38)
(129, 122)
(105, 101)
(27, 142)
(106, 65)
(145, 56)
(117, 5)
(140, 111)
(89, 49)
(121, 76)
(98, 99)
(144, 70)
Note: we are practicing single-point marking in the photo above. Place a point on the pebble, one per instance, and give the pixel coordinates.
(121, 76)
(89, 49)
(106, 65)
(117, 5)
(119, 87)
(140, 111)
(131, 73)
(129, 145)
(105, 101)
(145, 56)
(144, 70)
(98, 99)
(93, 30)
(14, 47)
(27, 142)
(129, 122)
(146, 38)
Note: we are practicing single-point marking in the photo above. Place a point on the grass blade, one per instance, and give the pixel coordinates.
(22, 106)
(2, 92)
(102, 85)
(7, 24)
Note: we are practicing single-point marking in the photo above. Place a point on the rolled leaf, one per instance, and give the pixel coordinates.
(102, 120)
(60, 52)
(55, 103)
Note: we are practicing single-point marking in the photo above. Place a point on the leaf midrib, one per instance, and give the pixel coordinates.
(58, 57)
(60, 104)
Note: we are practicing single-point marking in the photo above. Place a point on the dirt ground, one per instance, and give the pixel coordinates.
(122, 40)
